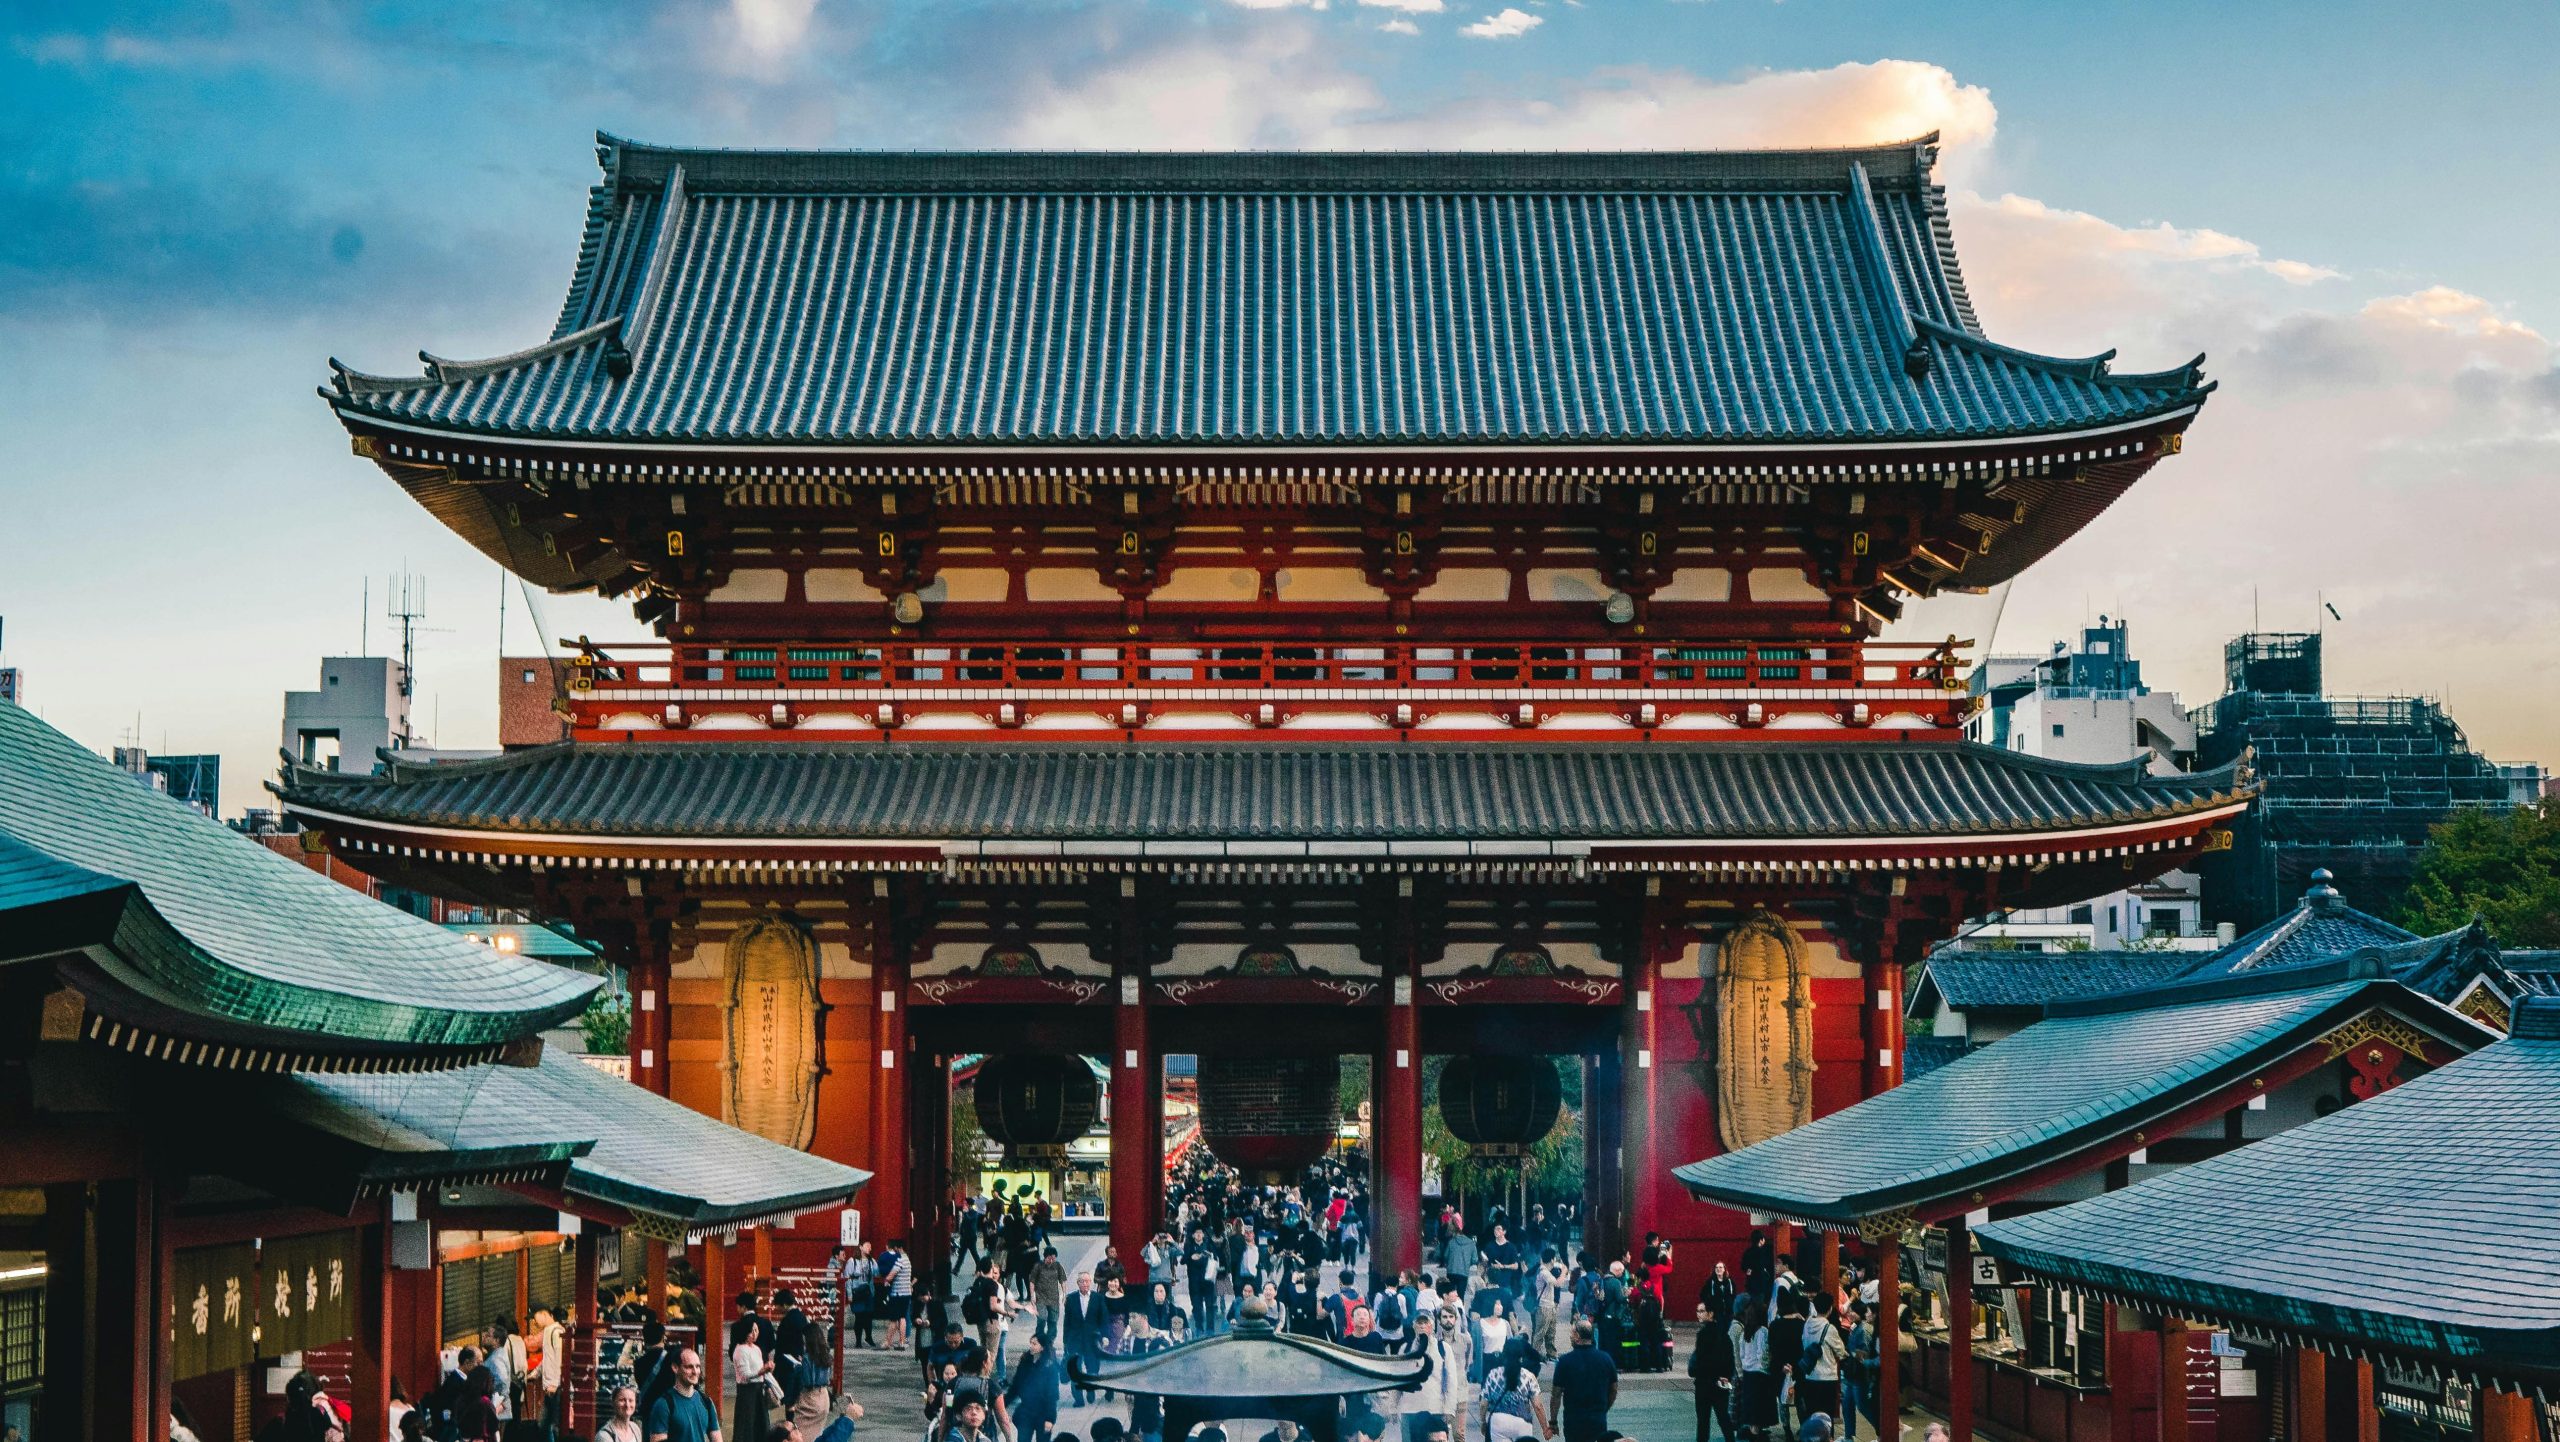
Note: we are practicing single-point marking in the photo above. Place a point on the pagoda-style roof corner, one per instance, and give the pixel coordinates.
(185, 941)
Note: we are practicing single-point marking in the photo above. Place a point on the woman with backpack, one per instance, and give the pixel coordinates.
(1512, 1409)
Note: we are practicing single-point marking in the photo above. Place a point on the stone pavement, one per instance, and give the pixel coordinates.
(1651, 1408)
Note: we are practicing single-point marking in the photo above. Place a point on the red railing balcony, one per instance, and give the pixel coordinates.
(1139, 685)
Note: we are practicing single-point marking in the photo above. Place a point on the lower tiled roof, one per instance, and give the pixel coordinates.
(2087, 1073)
(1668, 791)
(651, 1156)
(2425, 1221)
(1976, 980)
(184, 924)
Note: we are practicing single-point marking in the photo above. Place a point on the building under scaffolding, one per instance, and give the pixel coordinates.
(2352, 783)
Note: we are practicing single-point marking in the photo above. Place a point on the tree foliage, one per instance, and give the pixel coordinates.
(606, 1023)
(2501, 866)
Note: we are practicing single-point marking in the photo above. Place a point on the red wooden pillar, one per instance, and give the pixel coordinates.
(885, 1202)
(2307, 1415)
(1398, 1074)
(1137, 1131)
(649, 1019)
(2173, 1379)
(584, 1320)
(716, 1286)
(2506, 1416)
(1882, 1069)
(1960, 1331)
(1637, 1049)
(653, 1272)
(370, 1365)
(1888, 1324)
(128, 1335)
(62, 1407)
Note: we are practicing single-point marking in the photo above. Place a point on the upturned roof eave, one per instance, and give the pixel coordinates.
(136, 966)
(1931, 1193)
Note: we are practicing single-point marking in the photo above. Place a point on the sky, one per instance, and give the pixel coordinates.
(2345, 206)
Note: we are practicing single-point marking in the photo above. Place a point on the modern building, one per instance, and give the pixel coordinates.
(1267, 607)
(2351, 784)
(2089, 704)
(190, 780)
(531, 690)
(360, 710)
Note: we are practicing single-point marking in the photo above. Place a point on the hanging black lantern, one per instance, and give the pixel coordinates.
(1034, 1105)
(1500, 1106)
(1270, 1117)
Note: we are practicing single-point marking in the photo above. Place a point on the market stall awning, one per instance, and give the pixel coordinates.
(2422, 1224)
(176, 939)
(677, 1172)
(2094, 1080)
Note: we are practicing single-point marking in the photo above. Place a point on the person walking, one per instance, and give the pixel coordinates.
(859, 1279)
(1586, 1385)
(1757, 1389)
(1048, 1295)
(1443, 1392)
(1029, 1407)
(1711, 1370)
(1512, 1408)
(901, 1272)
(683, 1413)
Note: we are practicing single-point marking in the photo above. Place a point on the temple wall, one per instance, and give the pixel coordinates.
(1685, 1091)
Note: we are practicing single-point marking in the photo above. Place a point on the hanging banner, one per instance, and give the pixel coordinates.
(211, 1289)
(773, 1032)
(307, 1293)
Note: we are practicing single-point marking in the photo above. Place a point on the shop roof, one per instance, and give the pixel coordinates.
(2091, 1074)
(660, 1160)
(188, 941)
(2405, 1223)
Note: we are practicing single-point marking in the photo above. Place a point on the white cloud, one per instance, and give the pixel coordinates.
(1504, 25)
(1273, 87)
(1410, 7)
(1401, 27)
(770, 28)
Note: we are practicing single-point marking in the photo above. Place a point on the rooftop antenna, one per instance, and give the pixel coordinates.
(364, 620)
(408, 606)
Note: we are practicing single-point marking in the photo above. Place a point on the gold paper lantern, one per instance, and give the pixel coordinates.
(1764, 1033)
(773, 1032)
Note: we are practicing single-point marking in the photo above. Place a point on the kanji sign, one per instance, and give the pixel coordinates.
(308, 1298)
(212, 1295)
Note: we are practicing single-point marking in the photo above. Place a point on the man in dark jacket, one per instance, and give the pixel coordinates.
(1086, 1319)
(1711, 1371)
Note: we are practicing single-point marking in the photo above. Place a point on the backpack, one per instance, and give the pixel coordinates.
(1817, 1339)
(973, 1309)
(1390, 1313)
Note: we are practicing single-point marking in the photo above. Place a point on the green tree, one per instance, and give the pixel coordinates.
(606, 1023)
(2501, 866)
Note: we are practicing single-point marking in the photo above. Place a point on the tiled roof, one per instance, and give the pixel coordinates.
(2419, 1221)
(179, 916)
(650, 1155)
(1922, 1055)
(2089, 1072)
(1260, 791)
(1084, 300)
(1989, 980)
(2320, 926)
(1254, 1361)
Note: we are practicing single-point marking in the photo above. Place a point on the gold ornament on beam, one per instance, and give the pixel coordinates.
(2378, 1026)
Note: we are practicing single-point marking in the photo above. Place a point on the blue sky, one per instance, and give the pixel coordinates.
(2347, 204)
